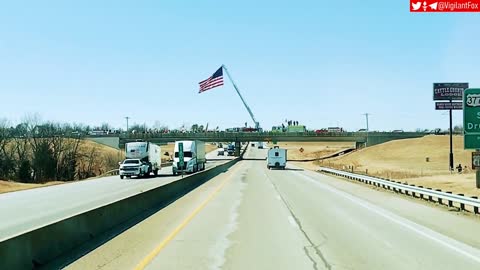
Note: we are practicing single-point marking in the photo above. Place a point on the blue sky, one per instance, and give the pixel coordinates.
(318, 62)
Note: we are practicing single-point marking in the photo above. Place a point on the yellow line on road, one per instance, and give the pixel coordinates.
(149, 258)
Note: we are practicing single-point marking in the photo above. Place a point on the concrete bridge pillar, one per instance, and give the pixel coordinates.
(237, 149)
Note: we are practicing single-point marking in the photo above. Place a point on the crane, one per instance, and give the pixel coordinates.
(257, 124)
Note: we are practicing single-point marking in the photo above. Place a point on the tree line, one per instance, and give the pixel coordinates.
(36, 152)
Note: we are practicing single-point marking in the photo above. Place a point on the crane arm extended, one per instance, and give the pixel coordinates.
(257, 125)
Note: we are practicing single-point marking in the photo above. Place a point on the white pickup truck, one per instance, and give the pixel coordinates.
(133, 167)
(142, 158)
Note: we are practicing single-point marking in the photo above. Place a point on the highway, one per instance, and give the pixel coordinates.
(26, 210)
(254, 218)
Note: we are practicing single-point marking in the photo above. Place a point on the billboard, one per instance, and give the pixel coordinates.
(448, 91)
(448, 105)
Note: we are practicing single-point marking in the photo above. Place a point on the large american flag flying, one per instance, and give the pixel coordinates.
(213, 81)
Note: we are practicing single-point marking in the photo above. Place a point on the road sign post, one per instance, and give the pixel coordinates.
(471, 127)
(476, 166)
(181, 161)
(450, 92)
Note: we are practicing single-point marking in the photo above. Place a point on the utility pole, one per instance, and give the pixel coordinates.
(366, 119)
(127, 122)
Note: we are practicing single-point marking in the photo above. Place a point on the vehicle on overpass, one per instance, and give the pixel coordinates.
(277, 158)
(260, 145)
(142, 158)
(279, 129)
(335, 129)
(296, 128)
(220, 152)
(193, 157)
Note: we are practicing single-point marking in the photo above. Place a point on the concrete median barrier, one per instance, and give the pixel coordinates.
(39, 247)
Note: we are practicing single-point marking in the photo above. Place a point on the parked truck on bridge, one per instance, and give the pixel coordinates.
(193, 157)
(142, 158)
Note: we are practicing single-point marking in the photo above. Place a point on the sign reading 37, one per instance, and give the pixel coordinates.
(473, 100)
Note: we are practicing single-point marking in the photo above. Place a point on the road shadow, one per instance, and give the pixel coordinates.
(292, 169)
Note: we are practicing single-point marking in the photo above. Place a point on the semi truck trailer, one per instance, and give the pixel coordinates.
(142, 158)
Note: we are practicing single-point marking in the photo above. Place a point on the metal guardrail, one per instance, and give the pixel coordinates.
(412, 190)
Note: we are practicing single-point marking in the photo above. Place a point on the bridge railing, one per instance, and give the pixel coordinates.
(230, 135)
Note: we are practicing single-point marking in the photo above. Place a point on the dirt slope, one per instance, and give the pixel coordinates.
(405, 160)
(409, 156)
(312, 150)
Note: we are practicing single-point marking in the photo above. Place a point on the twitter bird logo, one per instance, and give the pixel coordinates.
(416, 6)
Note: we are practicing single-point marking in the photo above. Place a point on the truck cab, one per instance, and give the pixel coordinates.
(194, 158)
(231, 149)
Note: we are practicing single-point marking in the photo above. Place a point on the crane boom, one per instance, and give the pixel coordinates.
(257, 125)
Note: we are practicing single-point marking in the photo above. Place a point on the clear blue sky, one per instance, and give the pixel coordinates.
(319, 62)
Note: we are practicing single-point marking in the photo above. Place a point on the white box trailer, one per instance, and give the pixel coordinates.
(277, 158)
(193, 157)
(142, 158)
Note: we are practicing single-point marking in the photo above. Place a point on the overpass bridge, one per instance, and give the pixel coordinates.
(360, 138)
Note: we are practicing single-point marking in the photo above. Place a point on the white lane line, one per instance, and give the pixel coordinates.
(279, 198)
(457, 246)
(292, 222)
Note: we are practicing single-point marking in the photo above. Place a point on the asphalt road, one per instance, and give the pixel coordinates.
(23, 211)
(254, 218)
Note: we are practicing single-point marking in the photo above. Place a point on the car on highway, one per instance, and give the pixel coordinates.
(133, 167)
(231, 149)
(220, 152)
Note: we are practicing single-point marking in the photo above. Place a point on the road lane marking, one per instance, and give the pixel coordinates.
(292, 222)
(149, 258)
(441, 239)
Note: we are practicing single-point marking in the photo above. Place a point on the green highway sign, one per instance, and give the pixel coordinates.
(180, 154)
(471, 118)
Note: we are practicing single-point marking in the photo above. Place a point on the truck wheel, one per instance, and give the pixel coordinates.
(121, 176)
(195, 168)
(155, 172)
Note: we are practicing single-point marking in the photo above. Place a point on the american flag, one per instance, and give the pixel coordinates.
(213, 81)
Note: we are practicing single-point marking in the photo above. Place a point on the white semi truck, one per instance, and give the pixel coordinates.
(277, 158)
(142, 158)
(193, 157)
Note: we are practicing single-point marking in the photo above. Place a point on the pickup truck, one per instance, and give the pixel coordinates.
(133, 167)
